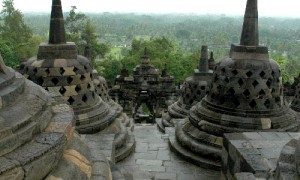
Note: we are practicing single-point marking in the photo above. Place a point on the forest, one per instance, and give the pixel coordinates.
(117, 41)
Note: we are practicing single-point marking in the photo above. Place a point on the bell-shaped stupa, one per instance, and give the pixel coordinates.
(60, 70)
(246, 94)
(37, 136)
(193, 89)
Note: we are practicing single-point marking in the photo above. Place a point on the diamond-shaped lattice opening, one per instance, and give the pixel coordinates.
(46, 89)
(85, 68)
(54, 81)
(93, 94)
(255, 83)
(241, 82)
(267, 103)
(69, 80)
(269, 82)
(202, 88)
(262, 92)
(84, 98)
(226, 80)
(89, 86)
(223, 70)
(198, 92)
(219, 87)
(277, 99)
(62, 90)
(213, 95)
(75, 69)
(47, 71)
(71, 100)
(231, 91)
(278, 80)
(252, 104)
(222, 100)
(216, 78)
(262, 74)
(246, 93)
(61, 70)
(249, 74)
(191, 101)
(236, 102)
(273, 73)
(77, 88)
(273, 90)
(35, 70)
(40, 81)
(82, 77)
(235, 72)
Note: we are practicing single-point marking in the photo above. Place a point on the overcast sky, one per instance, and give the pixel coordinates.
(273, 8)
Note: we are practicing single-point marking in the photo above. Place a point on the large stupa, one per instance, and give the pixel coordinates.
(246, 94)
(60, 70)
(37, 136)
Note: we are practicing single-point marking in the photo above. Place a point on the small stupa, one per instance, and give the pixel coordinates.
(193, 89)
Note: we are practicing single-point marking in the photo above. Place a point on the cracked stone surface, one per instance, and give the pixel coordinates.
(154, 160)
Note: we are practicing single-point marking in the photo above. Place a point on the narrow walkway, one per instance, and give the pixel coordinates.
(154, 160)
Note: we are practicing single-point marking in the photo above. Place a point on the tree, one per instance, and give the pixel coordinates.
(81, 31)
(14, 32)
(8, 55)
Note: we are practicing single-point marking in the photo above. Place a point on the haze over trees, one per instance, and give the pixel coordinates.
(117, 41)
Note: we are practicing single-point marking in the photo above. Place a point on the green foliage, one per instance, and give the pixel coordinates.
(161, 51)
(8, 55)
(14, 30)
(81, 31)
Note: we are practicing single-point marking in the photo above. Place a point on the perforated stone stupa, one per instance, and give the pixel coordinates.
(193, 90)
(246, 94)
(60, 70)
(37, 136)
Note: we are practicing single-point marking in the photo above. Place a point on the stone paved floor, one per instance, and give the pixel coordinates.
(154, 160)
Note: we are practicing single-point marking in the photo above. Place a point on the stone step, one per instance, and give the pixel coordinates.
(126, 149)
(98, 125)
(188, 155)
(10, 93)
(7, 79)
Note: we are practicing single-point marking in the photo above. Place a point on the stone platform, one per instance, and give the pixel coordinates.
(154, 160)
(254, 152)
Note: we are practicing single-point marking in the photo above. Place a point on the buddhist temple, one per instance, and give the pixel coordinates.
(60, 70)
(193, 90)
(246, 95)
(145, 86)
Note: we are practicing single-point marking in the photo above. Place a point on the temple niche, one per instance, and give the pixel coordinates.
(146, 86)
(193, 89)
(60, 70)
(246, 95)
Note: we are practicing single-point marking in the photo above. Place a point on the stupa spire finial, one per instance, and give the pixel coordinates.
(249, 35)
(57, 28)
(203, 62)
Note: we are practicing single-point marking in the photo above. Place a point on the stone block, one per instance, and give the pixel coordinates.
(149, 162)
(244, 176)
